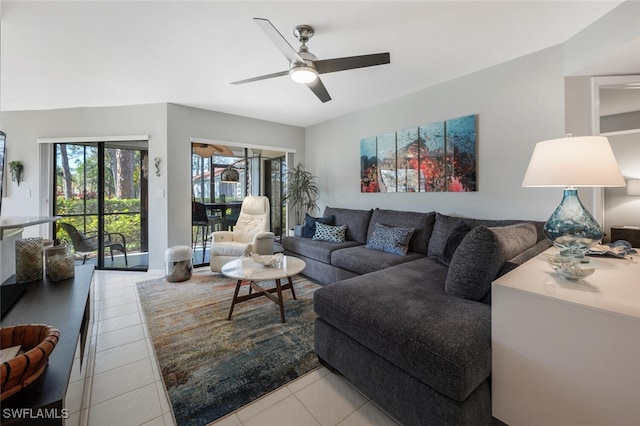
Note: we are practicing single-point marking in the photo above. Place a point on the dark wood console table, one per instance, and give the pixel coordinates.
(65, 305)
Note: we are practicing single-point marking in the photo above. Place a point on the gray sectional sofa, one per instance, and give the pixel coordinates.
(413, 331)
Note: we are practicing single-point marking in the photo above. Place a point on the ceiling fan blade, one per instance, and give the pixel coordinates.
(262, 77)
(320, 91)
(281, 43)
(351, 62)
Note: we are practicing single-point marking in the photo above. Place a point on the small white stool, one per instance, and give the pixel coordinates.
(179, 263)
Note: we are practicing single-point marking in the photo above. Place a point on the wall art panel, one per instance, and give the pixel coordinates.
(434, 157)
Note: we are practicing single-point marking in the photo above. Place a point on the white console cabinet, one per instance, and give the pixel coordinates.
(567, 352)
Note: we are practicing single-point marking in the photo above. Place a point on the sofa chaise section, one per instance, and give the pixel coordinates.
(404, 314)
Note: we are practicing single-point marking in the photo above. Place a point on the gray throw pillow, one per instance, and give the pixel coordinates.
(456, 237)
(481, 254)
(442, 229)
(390, 239)
(334, 234)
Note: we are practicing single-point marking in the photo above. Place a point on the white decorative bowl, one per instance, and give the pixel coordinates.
(570, 268)
(575, 271)
(267, 260)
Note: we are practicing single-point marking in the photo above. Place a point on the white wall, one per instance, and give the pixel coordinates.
(23, 128)
(518, 104)
(186, 123)
(623, 209)
(170, 128)
(592, 50)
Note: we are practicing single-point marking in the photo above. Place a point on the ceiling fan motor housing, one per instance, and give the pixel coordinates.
(303, 33)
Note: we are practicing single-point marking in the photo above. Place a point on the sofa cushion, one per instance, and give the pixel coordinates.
(442, 229)
(363, 260)
(316, 250)
(422, 222)
(334, 234)
(309, 227)
(392, 239)
(481, 254)
(357, 222)
(404, 315)
(494, 223)
(454, 240)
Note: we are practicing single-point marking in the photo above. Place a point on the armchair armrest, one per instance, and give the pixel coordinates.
(221, 236)
(263, 243)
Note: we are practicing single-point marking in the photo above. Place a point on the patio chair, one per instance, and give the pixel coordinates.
(84, 245)
(200, 221)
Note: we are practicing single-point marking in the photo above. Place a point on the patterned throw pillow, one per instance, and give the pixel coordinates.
(390, 239)
(334, 234)
(309, 228)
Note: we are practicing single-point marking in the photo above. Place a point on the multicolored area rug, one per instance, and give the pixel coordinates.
(212, 366)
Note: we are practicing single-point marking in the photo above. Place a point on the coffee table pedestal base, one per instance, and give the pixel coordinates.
(260, 291)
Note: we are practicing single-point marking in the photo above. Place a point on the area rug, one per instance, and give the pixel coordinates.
(211, 366)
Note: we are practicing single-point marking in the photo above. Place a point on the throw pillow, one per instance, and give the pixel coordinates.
(390, 239)
(334, 234)
(456, 237)
(309, 227)
(481, 254)
(442, 229)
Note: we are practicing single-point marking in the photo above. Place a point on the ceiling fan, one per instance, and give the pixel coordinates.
(207, 150)
(304, 66)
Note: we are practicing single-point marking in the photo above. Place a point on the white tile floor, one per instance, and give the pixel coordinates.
(125, 386)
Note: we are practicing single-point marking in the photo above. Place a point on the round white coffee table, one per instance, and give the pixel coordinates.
(246, 270)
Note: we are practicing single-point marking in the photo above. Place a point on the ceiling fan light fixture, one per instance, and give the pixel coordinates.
(303, 74)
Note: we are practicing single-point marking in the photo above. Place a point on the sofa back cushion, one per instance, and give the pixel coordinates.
(357, 222)
(442, 228)
(481, 254)
(421, 222)
(454, 240)
(494, 223)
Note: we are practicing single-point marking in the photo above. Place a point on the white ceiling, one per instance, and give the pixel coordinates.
(72, 54)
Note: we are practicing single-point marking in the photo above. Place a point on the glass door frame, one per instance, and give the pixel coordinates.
(100, 213)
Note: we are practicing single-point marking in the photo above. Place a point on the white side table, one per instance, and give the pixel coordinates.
(567, 352)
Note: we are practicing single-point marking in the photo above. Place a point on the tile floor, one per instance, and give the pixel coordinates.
(124, 385)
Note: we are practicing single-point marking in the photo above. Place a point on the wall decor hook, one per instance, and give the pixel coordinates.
(157, 164)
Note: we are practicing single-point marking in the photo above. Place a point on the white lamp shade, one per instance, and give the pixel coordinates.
(633, 187)
(573, 162)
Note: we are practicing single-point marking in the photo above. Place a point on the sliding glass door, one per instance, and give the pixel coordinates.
(274, 179)
(222, 199)
(101, 194)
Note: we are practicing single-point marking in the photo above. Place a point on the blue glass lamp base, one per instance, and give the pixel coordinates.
(571, 228)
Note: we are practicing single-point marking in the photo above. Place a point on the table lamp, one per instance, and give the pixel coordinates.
(571, 163)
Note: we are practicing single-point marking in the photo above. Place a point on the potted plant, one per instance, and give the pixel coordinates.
(17, 170)
(302, 192)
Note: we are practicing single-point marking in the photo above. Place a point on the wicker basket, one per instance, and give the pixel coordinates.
(37, 341)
